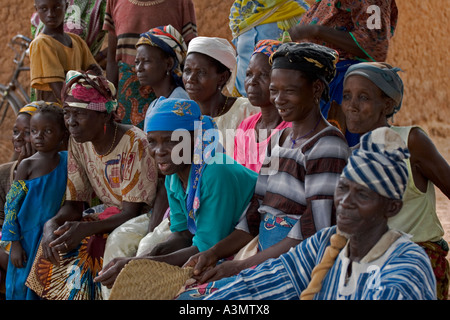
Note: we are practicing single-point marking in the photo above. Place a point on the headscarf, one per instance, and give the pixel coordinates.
(383, 76)
(175, 114)
(219, 49)
(32, 107)
(312, 59)
(267, 47)
(29, 108)
(89, 91)
(379, 163)
(169, 40)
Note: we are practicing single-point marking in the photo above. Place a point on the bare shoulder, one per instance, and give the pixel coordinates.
(24, 168)
(419, 142)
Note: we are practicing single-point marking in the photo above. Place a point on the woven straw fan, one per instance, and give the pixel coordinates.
(145, 279)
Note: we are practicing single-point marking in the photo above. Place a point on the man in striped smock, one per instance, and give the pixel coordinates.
(360, 258)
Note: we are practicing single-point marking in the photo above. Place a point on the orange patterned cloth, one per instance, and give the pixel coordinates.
(437, 251)
(127, 174)
(73, 278)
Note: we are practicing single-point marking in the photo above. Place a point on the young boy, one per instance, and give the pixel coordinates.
(53, 52)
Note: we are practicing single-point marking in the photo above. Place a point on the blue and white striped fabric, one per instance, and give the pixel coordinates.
(403, 272)
(379, 163)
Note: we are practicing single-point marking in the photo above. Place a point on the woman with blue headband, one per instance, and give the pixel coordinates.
(205, 202)
(373, 93)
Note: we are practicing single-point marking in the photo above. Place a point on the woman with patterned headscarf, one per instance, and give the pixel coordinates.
(125, 21)
(160, 54)
(253, 134)
(373, 93)
(106, 160)
(205, 203)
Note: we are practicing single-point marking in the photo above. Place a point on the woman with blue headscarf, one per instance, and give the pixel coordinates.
(373, 93)
(205, 203)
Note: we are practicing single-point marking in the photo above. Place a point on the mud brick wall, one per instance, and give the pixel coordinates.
(420, 48)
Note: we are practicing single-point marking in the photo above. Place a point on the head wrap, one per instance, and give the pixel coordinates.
(379, 163)
(175, 114)
(383, 76)
(169, 40)
(267, 47)
(89, 91)
(32, 107)
(219, 49)
(314, 60)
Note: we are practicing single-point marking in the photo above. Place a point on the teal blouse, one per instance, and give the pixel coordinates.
(226, 188)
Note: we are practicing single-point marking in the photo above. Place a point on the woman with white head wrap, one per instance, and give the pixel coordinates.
(373, 93)
(208, 77)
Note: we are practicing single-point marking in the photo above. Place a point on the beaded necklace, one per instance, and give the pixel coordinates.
(303, 136)
(146, 3)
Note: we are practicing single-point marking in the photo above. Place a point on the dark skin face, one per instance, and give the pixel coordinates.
(83, 124)
(291, 93)
(257, 80)
(256, 83)
(160, 147)
(47, 133)
(21, 132)
(201, 78)
(297, 100)
(152, 65)
(362, 215)
(364, 105)
(51, 12)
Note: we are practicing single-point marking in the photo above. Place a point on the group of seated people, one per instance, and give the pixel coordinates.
(261, 196)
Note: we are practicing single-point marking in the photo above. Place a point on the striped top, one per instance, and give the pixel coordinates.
(399, 271)
(299, 183)
(127, 21)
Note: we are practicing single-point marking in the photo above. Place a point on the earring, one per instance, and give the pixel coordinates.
(168, 72)
(104, 128)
